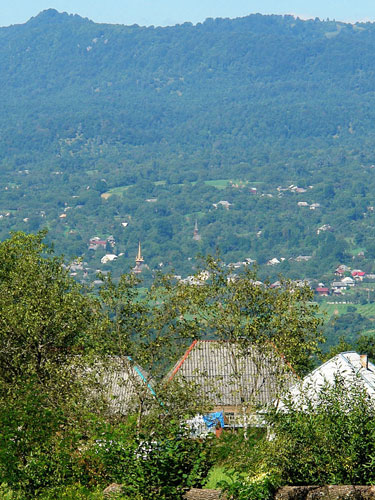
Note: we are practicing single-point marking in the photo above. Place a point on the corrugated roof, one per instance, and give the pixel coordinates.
(347, 365)
(229, 376)
(123, 380)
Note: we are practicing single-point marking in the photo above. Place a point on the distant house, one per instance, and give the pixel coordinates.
(302, 204)
(350, 366)
(322, 291)
(314, 206)
(276, 284)
(109, 257)
(348, 281)
(358, 275)
(338, 285)
(303, 258)
(96, 243)
(323, 228)
(231, 378)
(223, 203)
(273, 262)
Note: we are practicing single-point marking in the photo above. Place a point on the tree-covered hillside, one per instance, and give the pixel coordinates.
(140, 132)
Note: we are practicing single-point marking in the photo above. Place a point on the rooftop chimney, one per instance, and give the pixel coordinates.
(364, 361)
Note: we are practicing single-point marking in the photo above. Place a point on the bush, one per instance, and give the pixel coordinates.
(327, 440)
(321, 438)
(162, 466)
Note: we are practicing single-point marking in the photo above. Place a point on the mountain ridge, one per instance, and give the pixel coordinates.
(145, 113)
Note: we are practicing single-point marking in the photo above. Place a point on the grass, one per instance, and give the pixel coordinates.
(367, 310)
(216, 474)
(119, 190)
(218, 183)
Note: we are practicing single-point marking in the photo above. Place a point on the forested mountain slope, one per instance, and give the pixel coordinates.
(107, 126)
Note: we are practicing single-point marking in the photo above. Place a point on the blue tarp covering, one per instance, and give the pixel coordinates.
(214, 418)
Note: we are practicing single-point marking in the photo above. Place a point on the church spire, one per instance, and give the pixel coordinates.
(196, 236)
(138, 260)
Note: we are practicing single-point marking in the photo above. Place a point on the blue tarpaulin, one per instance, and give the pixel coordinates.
(214, 418)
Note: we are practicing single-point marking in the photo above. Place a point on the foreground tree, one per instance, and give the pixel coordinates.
(241, 309)
(45, 319)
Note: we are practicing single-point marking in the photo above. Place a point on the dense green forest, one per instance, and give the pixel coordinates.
(139, 133)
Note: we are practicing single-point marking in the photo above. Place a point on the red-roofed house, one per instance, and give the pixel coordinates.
(323, 291)
(358, 274)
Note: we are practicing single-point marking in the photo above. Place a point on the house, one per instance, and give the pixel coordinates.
(348, 281)
(96, 243)
(314, 206)
(303, 258)
(350, 366)
(342, 268)
(223, 203)
(338, 286)
(109, 257)
(322, 291)
(323, 228)
(302, 204)
(358, 274)
(124, 381)
(199, 279)
(273, 262)
(234, 379)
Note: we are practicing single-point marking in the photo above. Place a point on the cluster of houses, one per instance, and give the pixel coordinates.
(313, 206)
(339, 286)
(235, 380)
(293, 188)
(95, 242)
(301, 258)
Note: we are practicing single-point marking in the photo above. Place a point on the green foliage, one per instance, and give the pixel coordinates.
(325, 441)
(45, 320)
(258, 488)
(162, 466)
(241, 310)
(318, 438)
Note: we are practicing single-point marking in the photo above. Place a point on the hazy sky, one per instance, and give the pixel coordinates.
(164, 12)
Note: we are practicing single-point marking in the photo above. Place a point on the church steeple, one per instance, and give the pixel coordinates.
(138, 260)
(196, 236)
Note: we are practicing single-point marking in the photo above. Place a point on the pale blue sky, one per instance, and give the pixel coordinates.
(167, 12)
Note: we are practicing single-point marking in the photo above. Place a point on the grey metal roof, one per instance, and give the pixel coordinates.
(125, 382)
(230, 375)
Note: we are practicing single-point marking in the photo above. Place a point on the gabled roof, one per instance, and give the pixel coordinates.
(349, 365)
(122, 380)
(228, 376)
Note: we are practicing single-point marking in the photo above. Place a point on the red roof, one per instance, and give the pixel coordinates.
(358, 273)
(98, 242)
(321, 289)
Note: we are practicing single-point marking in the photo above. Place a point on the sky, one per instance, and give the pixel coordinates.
(169, 12)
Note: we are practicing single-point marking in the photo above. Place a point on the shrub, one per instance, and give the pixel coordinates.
(161, 466)
(319, 438)
(328, 438)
